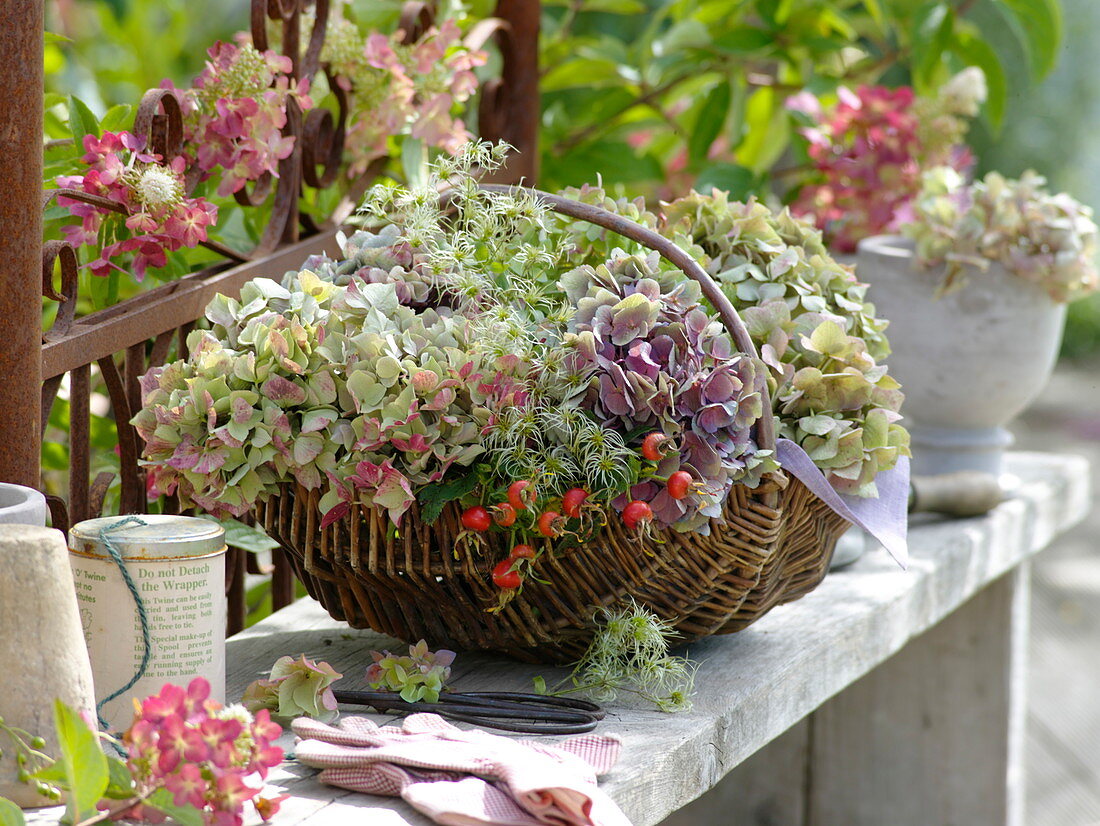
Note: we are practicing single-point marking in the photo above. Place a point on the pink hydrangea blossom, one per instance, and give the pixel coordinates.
(235, 113)
(158, 218)
(866, 151)
(870, 148)
(208, 757)
(402, 88)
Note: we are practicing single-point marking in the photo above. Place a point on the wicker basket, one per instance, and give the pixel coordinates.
(772, 546)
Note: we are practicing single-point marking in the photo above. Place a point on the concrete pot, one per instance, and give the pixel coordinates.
(42, 651)
(969, 362)
(21, 505)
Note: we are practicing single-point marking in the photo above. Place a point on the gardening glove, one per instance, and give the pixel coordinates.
(503, 781)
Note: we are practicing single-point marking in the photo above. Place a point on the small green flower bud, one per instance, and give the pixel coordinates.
(38, 743)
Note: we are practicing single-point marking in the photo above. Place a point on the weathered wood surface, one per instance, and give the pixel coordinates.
(751, 687)
(933, 735)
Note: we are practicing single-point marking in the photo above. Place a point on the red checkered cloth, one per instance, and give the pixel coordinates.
(466, 778)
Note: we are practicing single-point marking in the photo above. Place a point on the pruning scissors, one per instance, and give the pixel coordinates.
(503, 710)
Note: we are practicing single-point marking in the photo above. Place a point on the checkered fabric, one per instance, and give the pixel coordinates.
(466, 778)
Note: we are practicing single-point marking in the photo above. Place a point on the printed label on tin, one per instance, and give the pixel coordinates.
(185, 607)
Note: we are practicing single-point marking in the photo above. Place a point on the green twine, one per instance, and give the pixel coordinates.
(138, 601)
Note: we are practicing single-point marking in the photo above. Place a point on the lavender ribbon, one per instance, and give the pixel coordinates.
(885, 517)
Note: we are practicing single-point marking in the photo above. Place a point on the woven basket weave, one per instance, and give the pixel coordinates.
(772, 546)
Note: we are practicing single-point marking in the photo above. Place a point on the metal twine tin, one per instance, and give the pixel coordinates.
(176, 565)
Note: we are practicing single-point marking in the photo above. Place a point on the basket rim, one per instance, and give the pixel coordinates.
(771, 485)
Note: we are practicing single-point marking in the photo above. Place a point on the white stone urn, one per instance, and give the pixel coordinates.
(20, 505)
(969, 361)
(42, 650)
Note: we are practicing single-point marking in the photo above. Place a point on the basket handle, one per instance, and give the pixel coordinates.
(765, 427)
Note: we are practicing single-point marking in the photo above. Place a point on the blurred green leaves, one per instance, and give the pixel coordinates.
(691, 90)
(1040, 24)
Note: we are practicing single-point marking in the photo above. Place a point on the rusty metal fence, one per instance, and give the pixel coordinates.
(113, 347)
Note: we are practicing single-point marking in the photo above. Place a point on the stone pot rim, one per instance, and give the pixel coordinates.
(14, 496)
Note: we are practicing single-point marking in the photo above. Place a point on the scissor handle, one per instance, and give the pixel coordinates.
(540, 714)
(547, 700)
(531, 727)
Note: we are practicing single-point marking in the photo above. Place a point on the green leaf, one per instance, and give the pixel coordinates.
(120, 783)
(1041, 27)
(687, 34)
(414, 162)
(245, 537)
(54, 37)
(768, 130)
(607, 6)
(738, 181)
(432, 498)
(615, 6)
(84, 763)
(54, 774)
(874, 8)
(933, 26)
(617, 160)
(112, 287)
(834, 21)
(117, 118)
(162, 801)
(976, 52)
(10, 814)
(81, 120)
(745, 40)
(581, 72)
(712, 117)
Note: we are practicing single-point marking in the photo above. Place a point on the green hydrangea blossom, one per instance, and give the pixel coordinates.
(1049, 240)
(811, 321)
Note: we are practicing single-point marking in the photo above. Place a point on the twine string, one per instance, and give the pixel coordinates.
(146, 641)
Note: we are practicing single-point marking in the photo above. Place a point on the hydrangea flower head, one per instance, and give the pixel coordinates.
(869, 150)
(203, 754)
(160, 218)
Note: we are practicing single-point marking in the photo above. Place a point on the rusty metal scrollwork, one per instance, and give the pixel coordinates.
(60, 252)
(159, 120)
